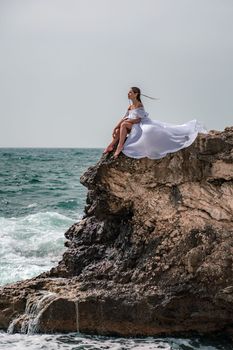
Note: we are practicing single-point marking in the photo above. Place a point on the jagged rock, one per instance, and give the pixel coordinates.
(153, 252)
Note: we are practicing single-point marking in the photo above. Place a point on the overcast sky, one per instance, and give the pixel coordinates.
(67, 65)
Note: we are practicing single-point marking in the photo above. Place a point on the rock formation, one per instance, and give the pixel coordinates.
(152, 254)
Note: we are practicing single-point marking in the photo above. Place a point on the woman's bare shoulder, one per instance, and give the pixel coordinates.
(132, 107)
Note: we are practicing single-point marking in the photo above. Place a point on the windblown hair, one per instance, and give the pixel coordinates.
(137, 91)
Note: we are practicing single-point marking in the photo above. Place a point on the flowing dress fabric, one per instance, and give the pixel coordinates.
(154, 139)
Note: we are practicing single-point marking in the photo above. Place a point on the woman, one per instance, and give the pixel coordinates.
(138, 136)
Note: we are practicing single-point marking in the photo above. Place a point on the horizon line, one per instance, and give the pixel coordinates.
(2, 147)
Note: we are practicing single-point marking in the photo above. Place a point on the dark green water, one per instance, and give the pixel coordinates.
(36, 180)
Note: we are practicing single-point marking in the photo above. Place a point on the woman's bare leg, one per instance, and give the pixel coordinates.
(123, 134)
(114, 141)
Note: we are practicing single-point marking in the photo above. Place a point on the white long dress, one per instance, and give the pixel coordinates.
(154, 139)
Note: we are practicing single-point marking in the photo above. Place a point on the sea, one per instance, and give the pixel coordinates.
(40, 198)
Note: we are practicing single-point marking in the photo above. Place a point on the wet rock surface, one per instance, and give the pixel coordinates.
(152, 254)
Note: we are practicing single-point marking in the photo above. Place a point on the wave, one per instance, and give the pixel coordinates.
(31, 244)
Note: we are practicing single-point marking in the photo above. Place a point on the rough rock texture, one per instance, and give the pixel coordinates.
(152, 255)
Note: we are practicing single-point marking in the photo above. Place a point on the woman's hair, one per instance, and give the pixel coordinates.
(138, 91)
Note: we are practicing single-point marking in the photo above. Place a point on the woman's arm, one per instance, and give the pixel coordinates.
(120, 122)
(134, 121)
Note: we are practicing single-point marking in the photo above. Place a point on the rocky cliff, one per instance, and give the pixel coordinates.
(152, 254)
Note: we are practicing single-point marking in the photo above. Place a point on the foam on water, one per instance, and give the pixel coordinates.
(31, 244)
(76, 341)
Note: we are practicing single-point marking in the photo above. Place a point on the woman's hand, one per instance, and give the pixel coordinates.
(115, 131)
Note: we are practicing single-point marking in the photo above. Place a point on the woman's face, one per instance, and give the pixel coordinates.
(131, 94)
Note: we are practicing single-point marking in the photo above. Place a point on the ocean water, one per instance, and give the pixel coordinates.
(40, 198)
